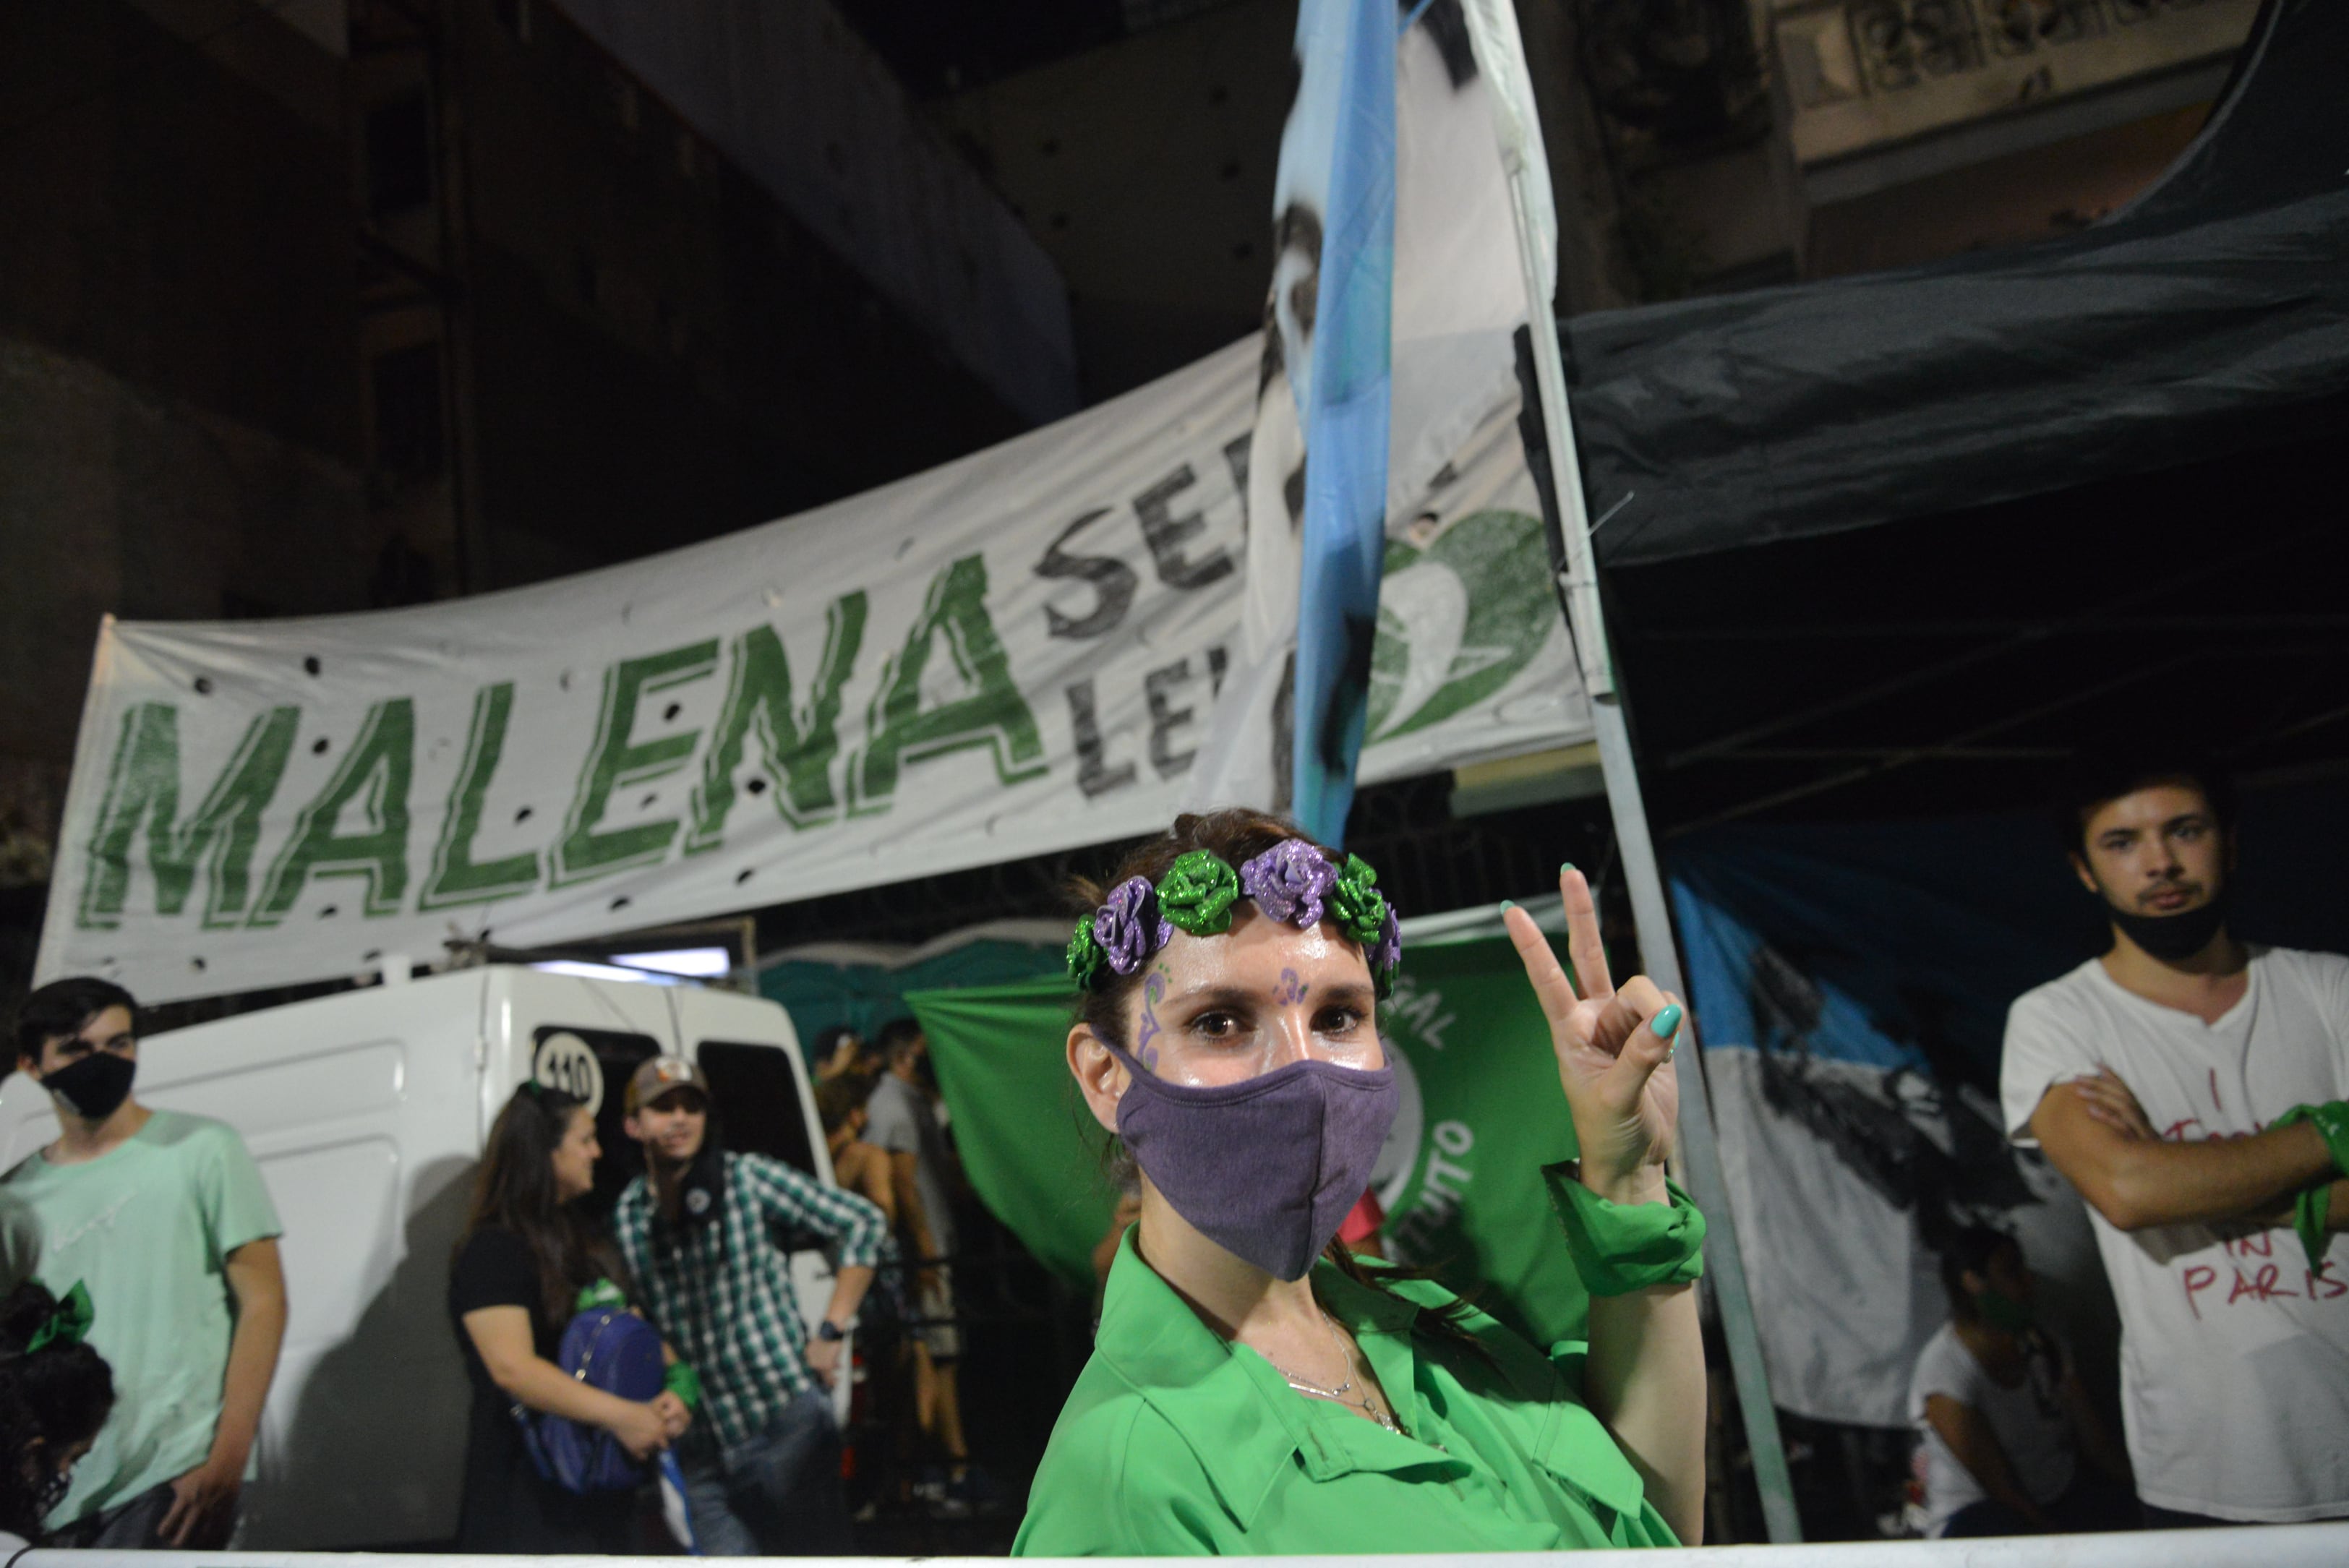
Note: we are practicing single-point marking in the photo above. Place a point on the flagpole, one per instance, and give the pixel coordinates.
(1635, 847)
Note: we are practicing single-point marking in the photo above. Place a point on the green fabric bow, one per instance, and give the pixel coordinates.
(69, 1325)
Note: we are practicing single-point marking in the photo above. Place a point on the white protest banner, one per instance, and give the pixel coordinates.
(1012, 654)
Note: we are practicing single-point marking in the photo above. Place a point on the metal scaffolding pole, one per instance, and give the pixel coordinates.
(1659, 954)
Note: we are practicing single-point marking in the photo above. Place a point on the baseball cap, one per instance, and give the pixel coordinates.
(656, 1075)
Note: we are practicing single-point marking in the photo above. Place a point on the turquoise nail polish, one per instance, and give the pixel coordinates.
(1564, 867)
(1508, 904)
(1667, 1022)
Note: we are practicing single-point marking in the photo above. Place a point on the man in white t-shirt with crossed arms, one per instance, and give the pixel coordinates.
(2151, 1077)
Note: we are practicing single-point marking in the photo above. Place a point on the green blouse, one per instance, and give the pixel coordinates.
(1176, 1442)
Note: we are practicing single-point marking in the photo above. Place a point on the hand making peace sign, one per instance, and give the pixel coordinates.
(1617, 1069)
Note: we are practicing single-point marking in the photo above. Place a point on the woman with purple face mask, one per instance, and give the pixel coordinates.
(1254, 1388)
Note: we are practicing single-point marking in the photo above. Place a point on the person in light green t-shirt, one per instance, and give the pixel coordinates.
(1256, 1388)
(164, 1218)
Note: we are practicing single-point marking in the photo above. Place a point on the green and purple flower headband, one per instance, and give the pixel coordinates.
(1293, 881)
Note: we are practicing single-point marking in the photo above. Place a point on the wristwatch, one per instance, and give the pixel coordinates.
(828, 1330)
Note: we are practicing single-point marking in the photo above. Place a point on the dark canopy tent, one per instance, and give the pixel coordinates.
(1880, 554)
(2110, 456)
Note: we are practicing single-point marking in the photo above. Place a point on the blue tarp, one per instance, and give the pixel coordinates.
(1918, 934)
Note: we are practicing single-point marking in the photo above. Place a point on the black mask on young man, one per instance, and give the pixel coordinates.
(95, 1086)
(2174, 938)
(701, 1186)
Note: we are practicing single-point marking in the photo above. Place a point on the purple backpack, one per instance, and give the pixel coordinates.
(606, 1348)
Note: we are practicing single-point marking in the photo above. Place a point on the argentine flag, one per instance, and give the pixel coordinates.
(1395, 289)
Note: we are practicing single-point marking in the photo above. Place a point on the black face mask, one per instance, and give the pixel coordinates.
(93, 1087)
(701, 1186)
(42, 1481)
(2173, 938)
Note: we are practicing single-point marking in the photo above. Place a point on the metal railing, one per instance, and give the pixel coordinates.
(2270, 1546)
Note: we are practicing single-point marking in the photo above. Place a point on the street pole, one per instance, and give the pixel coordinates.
(1635, 847)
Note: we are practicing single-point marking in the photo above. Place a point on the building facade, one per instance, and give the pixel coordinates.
(310, 306)
(1695, 147)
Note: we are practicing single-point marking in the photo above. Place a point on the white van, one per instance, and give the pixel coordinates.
(366, 1111)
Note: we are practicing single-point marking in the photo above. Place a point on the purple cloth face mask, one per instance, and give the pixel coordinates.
(1268, 1168)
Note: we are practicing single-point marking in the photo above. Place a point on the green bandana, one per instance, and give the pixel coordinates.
(2001, 1311)
(2312, 1211)
(1617, 1248)
(685, 1383)
(2331, 1120)
(603, 1293)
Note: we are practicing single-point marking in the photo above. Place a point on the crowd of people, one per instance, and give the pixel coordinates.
(140, 1343)
(745, 1410)
(1260, 1381)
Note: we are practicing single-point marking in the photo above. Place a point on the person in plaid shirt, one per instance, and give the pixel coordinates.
(761, 1465)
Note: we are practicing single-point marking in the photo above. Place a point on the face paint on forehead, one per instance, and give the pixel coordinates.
(1290, 991)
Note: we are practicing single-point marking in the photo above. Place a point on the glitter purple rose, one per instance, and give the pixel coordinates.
(1127, 926)
(1389, 952)
(1288, 882)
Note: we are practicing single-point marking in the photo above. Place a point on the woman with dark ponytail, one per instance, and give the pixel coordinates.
(56, 1392)
(527, 1256)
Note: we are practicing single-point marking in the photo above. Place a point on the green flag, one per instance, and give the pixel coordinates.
(1031, 1148)
(819, 992)
(1465, 1028)
(1460, 1179)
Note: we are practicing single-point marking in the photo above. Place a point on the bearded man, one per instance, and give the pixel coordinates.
(2192, 1085)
